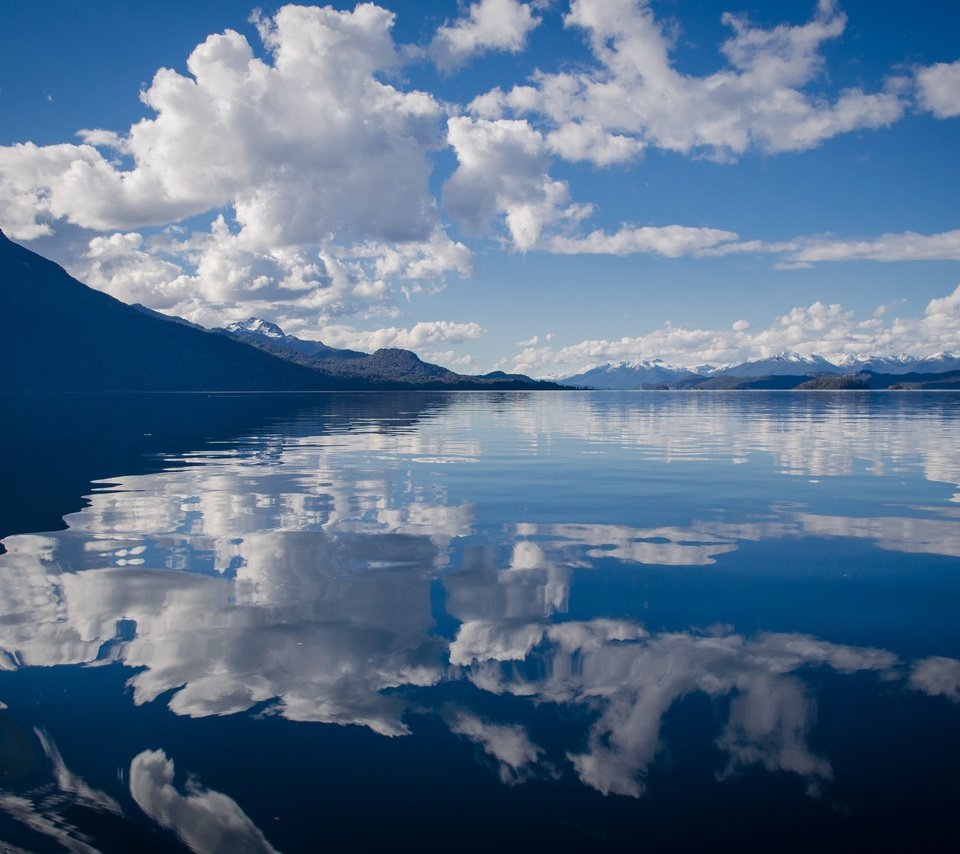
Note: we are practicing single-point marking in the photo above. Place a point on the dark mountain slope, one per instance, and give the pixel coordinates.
(61, 335)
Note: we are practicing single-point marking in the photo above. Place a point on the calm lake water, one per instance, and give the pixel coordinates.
(578, 621)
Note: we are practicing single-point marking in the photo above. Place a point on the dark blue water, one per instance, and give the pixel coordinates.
(575, 621)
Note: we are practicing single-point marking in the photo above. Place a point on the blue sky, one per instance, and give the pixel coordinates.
(541, 186)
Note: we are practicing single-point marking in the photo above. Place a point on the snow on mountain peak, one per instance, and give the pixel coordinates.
(258, 327)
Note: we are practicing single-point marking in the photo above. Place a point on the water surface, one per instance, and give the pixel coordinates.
(297, 622)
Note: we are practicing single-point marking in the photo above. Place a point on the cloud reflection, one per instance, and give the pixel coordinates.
(634, 679)
(510, 745)
(308, 577)
(908, 534)
(206, 821)
(938, 677)
(44, 810)
(814, 436)
(297, 624)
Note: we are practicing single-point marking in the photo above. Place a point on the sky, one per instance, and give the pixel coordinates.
(539, 186)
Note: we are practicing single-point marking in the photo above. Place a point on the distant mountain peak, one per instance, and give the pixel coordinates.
(647, 373)
(795, 357)
(783, 363)
(627, 375)
(257, 326)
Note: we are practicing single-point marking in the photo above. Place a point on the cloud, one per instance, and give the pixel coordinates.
(939, 88)
(487, 25)
(310, 161)
(819, 328)
(635, 97)
(239, 130)
(322, 166)
(205, 820)
(671, 241)
(765, 98)
(213, 277)
(674, 344)
(906, 246)
(503, 170)
(805, 251)
(451, 359)
(422, 334)
(216, 276)
(586, 141)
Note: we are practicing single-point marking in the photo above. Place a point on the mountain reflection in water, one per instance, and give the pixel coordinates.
(550, 579)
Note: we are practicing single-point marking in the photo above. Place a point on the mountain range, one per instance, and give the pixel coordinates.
(386, 365)
(783, 370)
(62, 336)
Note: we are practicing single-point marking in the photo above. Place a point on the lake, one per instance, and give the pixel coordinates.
(604, 621)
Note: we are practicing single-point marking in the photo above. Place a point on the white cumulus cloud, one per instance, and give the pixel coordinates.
(322, 166)
(939, 88)
(503, 169)
(487, 25)
(422, 334)
(763, 98)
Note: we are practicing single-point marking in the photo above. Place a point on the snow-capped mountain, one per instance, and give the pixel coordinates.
(902, 364)
(648, 373)
(782, 364)
(257, 326)
(256, 330)
(938, 363)
(627, 375)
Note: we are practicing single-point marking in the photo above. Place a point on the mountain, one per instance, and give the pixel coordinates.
(392, 365)
(862, 381)
(259, 332)
(887, 364)
(793, 368)
(624, 375)
(902, 364)
(61, 335)
(786, 363)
